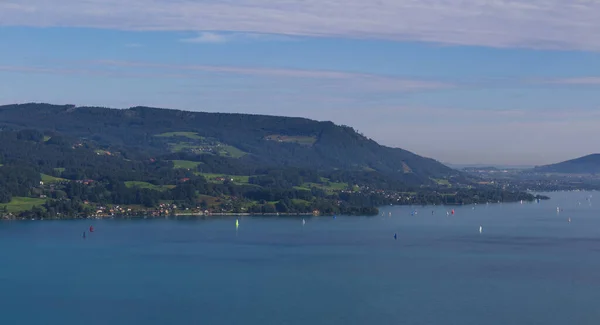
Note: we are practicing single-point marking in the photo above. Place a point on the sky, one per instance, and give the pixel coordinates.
(511, 82)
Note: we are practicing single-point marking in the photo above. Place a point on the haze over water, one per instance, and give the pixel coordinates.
(528, 266)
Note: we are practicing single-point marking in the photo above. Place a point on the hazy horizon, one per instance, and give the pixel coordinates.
(469, 82)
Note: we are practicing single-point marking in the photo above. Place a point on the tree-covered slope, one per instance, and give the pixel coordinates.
(584, 165)
(266, 140)
(64, 161)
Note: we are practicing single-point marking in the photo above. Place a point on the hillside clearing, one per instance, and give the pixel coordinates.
(20, 204)
(137, 184)
(230, 151)
(189, 135)
(185, 164)
(219, 178)
(52, 179)
(302, 140)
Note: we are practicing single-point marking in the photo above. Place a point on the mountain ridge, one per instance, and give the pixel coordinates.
(335, 146)
(589, 164)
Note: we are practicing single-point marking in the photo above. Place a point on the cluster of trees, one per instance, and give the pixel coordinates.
(17, 181)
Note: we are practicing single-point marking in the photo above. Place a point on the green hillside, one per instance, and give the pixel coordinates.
(85, 161)
(268, 140)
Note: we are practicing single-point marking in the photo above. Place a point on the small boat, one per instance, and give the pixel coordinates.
(480, 229)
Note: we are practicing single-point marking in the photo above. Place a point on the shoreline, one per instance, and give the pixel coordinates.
(272, 214)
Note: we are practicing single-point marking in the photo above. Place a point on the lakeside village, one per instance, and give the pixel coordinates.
(219, 206)
(49, 201)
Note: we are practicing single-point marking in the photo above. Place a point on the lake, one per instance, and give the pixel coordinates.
(528, 266)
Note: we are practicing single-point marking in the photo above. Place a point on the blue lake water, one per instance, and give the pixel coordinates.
(528, 266)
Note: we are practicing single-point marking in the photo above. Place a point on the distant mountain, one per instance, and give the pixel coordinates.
(584, 165)
(251, 139)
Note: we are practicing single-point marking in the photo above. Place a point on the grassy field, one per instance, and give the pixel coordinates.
(46, 138)
(20, 204)
(51, 179)
(303, 140)
(328, 187)
(298, 201)
(211, 201)
(186, 164)
(239, 180)
(147, 185)
(189, 135)
(441, 181)
(231, 151)
(336, 186)
(60, 170)
(181, 146)
(221, 150)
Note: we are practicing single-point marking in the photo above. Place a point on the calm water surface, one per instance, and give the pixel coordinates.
(529, 266)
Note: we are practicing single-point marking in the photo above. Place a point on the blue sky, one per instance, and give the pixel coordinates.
(469, 81)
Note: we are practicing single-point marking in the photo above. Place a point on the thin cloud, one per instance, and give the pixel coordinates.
(329, 80)
(334, 81)
(370, 81)
(579, 81)
(539, 24)
(87, 72)
(221, 37)
(207, 37)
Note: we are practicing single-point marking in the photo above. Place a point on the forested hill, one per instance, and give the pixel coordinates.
(67, 161)
(584, 165)
(255, 139)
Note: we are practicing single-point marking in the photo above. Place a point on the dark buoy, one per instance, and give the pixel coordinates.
(91, 228)
(395, 236)
(83, 235)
